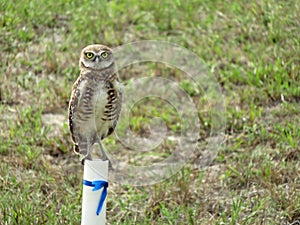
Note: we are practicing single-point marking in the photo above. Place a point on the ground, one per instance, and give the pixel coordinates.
(252, 50)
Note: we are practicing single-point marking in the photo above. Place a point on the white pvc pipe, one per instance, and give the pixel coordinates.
(94, 171)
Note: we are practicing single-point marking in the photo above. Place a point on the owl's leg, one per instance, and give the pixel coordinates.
(86, 153)
(105, 155)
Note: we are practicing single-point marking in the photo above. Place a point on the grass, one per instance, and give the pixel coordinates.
(253, 50)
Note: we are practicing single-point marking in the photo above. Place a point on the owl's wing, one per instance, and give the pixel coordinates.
(76, 96)
(115, 111)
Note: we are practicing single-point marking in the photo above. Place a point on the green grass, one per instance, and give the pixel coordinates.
(251, 47)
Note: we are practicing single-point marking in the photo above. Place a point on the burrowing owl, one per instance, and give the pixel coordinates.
(95, 101)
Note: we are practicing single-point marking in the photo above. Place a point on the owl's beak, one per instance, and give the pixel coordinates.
(97, 58)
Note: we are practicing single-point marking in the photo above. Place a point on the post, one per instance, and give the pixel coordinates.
(94, 192)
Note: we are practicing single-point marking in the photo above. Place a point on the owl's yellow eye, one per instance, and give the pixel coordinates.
(104, 55)
(89, 55)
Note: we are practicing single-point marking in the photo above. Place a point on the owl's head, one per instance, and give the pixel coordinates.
(96, 57)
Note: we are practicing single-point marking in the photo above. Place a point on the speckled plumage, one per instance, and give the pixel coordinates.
(95, 102)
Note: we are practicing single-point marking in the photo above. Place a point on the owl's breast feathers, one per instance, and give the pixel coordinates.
(94, 98)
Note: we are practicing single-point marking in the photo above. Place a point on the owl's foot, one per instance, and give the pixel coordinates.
(110, 166)
(106, 157)
(84, 157)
